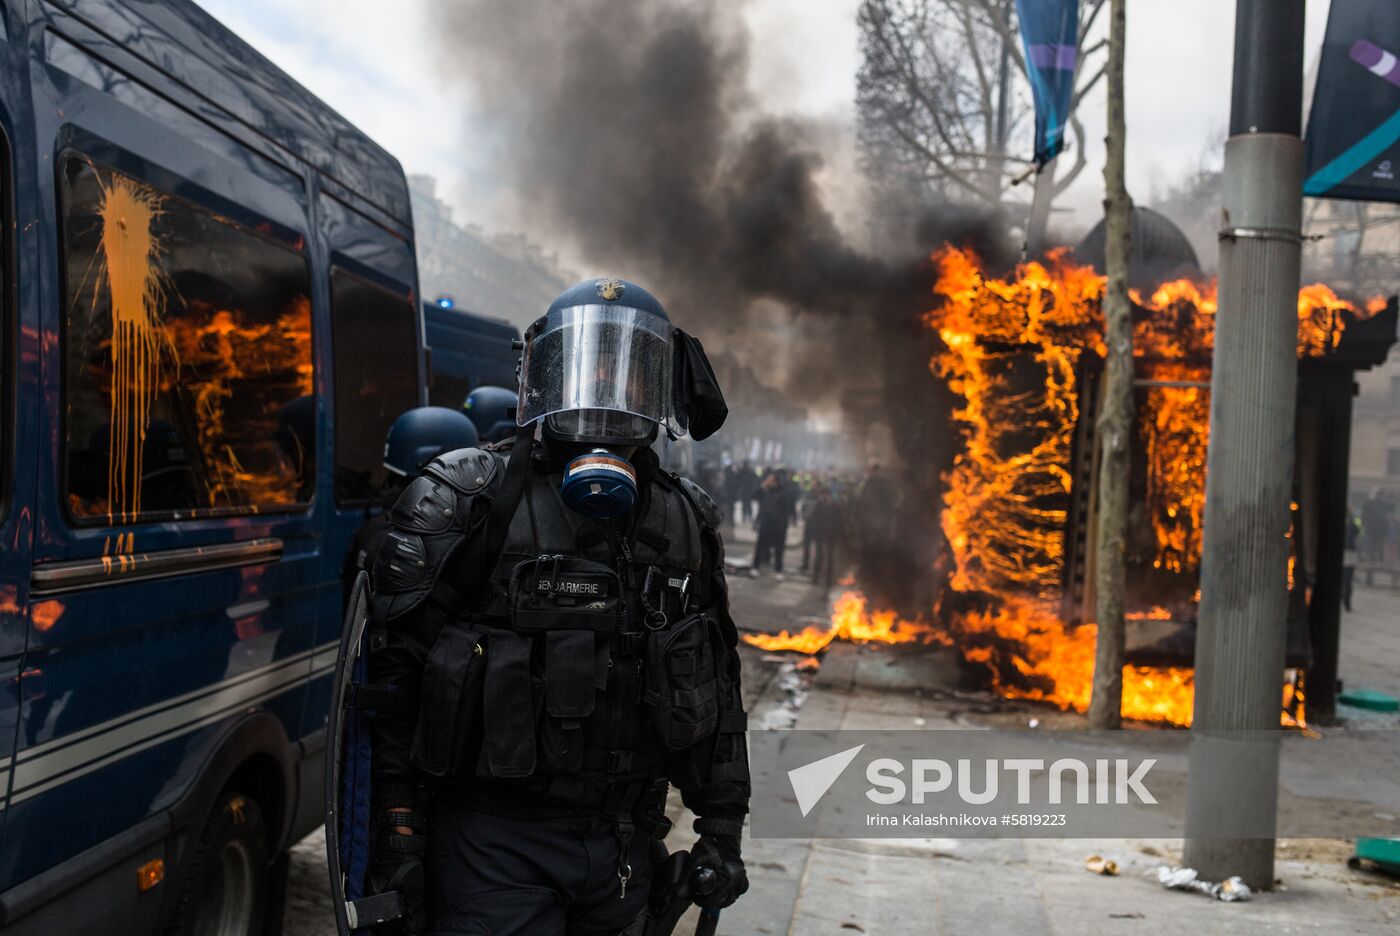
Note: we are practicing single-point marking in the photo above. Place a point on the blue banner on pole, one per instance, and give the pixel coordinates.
(1050, 32)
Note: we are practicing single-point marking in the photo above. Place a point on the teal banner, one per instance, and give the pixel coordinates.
(1352, 147)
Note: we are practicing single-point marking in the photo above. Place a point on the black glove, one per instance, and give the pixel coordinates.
(720, 855)
(398, 866)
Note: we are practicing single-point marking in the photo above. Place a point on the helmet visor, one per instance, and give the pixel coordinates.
(599, 425)
(599, 358)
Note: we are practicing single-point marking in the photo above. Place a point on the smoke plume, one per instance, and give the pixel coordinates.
(628, 136)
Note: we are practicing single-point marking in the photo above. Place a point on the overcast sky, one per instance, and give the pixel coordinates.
(378, 65)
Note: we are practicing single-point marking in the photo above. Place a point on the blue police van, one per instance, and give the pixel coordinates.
(210, 317)
(466, 350)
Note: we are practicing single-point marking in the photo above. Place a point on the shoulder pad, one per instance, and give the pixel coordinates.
(427, 525)
(704, 504)
(426, 506)
(467, 470)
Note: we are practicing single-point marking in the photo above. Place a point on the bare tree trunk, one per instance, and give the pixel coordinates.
(1358, 251)
(1041, 198)
(996, 163)
(1115, 424)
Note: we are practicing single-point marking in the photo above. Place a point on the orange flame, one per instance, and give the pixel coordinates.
(1032, 654)
(1157, 613)
(1320, 323)
(214, 354)
(1012, 347)
(849, 621)
(1003, 510)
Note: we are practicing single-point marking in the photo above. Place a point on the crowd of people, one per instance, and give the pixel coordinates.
(1372, 540)
(1378, 532)
(826, 504)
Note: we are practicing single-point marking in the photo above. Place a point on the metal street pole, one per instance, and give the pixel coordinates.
(1233, 786)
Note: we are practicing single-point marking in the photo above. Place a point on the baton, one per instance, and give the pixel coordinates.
(703, 883)
(709, 922)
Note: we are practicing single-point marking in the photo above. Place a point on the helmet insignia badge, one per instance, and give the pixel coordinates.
(610, 289)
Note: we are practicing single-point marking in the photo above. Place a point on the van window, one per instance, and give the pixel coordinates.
(374, 337)
(188, 350)
(448, 391)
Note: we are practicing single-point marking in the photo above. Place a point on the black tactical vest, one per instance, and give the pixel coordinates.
(587, 659)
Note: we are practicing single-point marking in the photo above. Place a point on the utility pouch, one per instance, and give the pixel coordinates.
(692, 768)
(564, 593)
(448, 733)
(681, 682)
(509, 708)
(569, 698)
(562, 602)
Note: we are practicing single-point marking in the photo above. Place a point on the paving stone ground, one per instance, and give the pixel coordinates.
(967, 886)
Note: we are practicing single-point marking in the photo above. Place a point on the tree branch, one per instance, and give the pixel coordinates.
(1081, 159)
(983, 83)
(1088, 86)
(903, 64)
(944, 169)
(1087, 15)
(1001, 24)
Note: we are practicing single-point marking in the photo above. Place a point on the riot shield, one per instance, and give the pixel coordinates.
(349, 804)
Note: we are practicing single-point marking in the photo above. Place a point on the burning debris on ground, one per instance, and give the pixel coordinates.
(1017, 351)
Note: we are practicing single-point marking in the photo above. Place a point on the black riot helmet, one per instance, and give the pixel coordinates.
(604, 366)
(422, 434)
(492, 411)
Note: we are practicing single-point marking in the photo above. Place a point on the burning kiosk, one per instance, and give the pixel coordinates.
(1023, 355)
(1172, 401)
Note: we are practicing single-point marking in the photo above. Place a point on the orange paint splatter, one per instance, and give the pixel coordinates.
(136, 286)
(46, 614)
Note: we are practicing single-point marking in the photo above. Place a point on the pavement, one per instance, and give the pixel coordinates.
(981, 887)
(952, 886)
(1369, 654)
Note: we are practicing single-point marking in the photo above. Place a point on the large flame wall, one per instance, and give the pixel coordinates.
(1006, 494)
(1012, 349)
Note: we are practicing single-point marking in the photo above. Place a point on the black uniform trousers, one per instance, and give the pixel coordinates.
(498, 875)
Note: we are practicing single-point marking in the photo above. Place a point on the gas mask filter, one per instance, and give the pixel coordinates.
(599, 485)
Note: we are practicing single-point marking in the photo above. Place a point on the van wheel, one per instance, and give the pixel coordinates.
(226, 888)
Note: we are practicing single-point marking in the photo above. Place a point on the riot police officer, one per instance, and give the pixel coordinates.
(415, 438)
(556, 608)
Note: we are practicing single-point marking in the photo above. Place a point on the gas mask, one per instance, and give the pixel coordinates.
(599, 484)
(603, 369)
(599, 479)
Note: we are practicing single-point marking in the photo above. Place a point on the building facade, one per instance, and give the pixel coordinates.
(501, 275)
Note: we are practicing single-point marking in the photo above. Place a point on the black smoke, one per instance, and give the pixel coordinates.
(626, 128)
(626, 132)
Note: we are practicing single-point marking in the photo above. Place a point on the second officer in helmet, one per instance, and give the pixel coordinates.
(557, 606)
